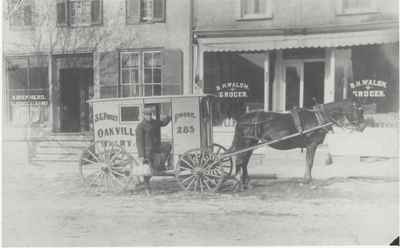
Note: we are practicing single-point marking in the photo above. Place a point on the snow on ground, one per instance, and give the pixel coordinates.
(349, 202)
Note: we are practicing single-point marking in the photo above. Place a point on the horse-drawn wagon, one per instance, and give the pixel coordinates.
(197, 163)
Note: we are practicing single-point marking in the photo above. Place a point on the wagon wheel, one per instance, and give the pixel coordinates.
(106, 166)
(200, 170)
(226, 163)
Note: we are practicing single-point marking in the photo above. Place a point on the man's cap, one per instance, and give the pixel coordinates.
(147, 110)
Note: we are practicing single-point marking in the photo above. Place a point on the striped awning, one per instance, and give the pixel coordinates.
(265, 43)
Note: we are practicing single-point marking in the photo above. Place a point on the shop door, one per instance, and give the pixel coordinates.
(75, 85)
(293, 79)
(313, 83)
(304, 83)
(70, 101)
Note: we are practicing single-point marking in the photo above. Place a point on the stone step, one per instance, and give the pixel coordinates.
(55, 149)
(55, 156)
(58, 143)
(60, 162)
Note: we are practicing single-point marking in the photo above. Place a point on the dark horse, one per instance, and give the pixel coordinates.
(259, 127)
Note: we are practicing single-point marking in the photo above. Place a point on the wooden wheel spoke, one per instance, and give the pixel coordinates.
(187, 179)
(93, 155)
(191, 182)
(184, 173)
(116, 180)
(196, 183)
(206, 180)
(89, 161)
(117, 172)
(94, 179)
(201, 184)
(186, 162)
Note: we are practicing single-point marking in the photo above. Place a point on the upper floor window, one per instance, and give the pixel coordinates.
(356, 6)
(254, 9)
(150, 72)
(79, 12)
(20, 13)
(145, 11)
(141, 73)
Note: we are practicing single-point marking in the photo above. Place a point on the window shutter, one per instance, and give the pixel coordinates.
(172, 72)
(132, 11)
(96, 11)
(159, 10)
(109, 73)
(62, 13)
(28, 15)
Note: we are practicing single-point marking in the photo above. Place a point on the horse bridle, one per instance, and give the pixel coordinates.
(353, 123)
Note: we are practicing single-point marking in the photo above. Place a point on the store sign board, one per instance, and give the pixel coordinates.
(33, 99)
(233, 90)
(108, 127)
(369, 88)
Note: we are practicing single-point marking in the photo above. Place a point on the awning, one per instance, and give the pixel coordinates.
(265, 43)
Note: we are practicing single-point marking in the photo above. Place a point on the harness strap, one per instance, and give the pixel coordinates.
(322, 116)
(296, 118)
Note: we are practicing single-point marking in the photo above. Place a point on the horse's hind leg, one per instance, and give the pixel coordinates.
(309, 161)
(147, 185)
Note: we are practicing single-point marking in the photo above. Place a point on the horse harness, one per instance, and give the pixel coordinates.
(319, 111)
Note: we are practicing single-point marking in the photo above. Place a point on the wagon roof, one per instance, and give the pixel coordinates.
(153, 99)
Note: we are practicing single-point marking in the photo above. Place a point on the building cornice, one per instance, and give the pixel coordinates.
(337, 28)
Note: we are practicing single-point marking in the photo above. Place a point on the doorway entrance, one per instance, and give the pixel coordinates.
(304, 83)
(74, 92)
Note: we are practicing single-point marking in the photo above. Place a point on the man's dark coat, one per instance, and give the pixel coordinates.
(148, 137)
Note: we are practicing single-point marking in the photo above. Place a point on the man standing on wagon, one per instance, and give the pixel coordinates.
(148, 140)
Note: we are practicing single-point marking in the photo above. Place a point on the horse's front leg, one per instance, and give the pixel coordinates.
(245, 177)
(309, 161)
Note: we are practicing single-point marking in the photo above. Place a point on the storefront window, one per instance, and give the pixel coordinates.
(28, 90)
(238, 81)
(375, 77)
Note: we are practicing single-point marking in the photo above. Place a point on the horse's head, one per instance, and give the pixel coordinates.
(348, 114)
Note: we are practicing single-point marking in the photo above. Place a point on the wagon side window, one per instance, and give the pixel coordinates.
(130, 113)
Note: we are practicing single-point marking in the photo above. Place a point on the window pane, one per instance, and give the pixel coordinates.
(148, 76)
(130, 113)
(134, 76)
(148, 90)
(157, 59)
(17, 78)
(125, 76)
(130, 59)
(157, 90)
(80, 12)
(39, 78)
(148, 59)
(157, 76)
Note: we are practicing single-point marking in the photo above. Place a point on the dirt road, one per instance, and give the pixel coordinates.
(47, 205)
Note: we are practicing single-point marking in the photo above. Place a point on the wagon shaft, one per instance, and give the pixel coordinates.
(230, 154)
